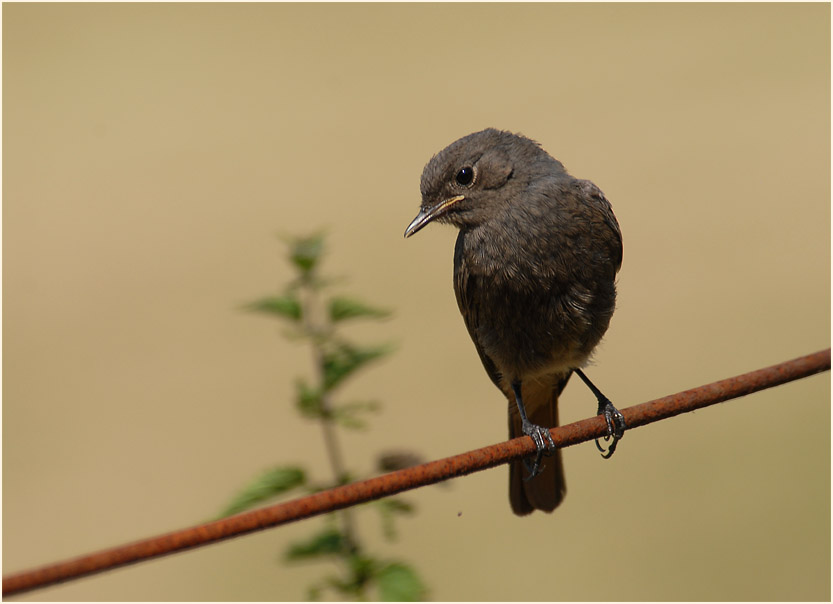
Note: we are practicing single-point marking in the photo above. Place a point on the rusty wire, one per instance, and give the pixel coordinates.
(410, 478)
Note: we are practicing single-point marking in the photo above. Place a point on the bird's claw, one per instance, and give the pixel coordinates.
(615, 427)
(544, 445)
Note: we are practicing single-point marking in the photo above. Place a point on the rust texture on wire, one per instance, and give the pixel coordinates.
(410, 478)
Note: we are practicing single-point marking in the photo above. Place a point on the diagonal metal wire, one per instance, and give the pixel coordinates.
(411, 478)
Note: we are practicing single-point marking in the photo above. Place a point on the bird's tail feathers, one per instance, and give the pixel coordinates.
(546, 490)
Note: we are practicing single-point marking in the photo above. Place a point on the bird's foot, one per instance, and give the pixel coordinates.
(544, 445)
(615, 426)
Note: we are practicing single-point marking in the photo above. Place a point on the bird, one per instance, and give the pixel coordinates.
(535, 265)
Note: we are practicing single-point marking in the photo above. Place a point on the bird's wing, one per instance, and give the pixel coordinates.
(465, 285)
(594, 196)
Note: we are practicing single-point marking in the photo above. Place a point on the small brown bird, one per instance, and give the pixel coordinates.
(534, 273)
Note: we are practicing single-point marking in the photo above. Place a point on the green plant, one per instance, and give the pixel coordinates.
(315, 319)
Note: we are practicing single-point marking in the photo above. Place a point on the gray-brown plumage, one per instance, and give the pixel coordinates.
(534, 270)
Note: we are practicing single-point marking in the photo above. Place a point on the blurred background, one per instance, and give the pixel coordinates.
(152, 153)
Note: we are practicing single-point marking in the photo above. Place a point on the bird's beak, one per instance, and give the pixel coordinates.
(426, 215)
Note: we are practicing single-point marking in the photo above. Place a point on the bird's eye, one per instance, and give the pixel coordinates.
(465, 176)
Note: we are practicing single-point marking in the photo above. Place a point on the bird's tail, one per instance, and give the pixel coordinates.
(547, 489)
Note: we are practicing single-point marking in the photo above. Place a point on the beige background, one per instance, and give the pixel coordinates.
(151, 154)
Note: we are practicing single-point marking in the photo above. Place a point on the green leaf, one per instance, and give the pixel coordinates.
(388, 509)
(348, 414)
(362, 567)
(326, 543)
(346, 308)
(347, 589)
(269, 484)
(314, 593)
(397, 506)
(306, 251)
(350, 422)
(399, 582)
(362, 570)
(283, 306)
(343, 359)
(308, 399)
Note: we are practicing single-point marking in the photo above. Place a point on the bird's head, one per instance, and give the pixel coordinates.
(465, 183)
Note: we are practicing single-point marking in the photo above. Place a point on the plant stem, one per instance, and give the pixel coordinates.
(315, 328)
